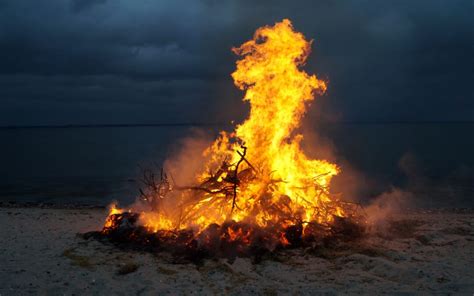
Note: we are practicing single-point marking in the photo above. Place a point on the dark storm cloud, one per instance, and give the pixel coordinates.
(79, 5)
(148, 61)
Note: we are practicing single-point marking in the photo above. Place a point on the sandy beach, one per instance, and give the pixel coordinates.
(42, 253)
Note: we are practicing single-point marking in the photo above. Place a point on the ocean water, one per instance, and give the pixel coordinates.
(94, 165)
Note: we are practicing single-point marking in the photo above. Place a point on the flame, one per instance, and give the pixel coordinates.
(113, 210)
(278, 185)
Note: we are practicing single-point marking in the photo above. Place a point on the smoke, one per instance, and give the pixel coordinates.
(418, 190)
(398, 199)
(350, 183)
(187, 159)
(392, 202)
(421, 190)
(443, 188)
(353, 185)
(361, 187)
(180, 168)
(395, 200)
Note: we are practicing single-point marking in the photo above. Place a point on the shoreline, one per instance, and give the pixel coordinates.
(49, 205)
(84, 206)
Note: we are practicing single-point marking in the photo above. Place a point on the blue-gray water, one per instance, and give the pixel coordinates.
(98, 164)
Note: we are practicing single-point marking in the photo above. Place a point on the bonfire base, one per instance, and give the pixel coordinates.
(230, 240)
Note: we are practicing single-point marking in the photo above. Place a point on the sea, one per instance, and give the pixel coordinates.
(95, 165)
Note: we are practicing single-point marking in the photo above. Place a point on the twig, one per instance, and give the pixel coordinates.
(201, 189)
(245, 159)
(236, 180)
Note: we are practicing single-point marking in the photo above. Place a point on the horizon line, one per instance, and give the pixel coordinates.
(190, 124)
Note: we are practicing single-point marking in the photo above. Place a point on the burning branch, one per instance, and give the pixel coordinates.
(154, 190)
(236, 179)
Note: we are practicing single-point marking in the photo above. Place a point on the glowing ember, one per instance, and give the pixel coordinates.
(257, 183)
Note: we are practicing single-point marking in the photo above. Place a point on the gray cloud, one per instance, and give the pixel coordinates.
(79, 5)
(384, 61)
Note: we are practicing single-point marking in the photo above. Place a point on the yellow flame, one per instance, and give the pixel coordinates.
(287, 187)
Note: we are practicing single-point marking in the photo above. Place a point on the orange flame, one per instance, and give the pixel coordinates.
(279, 185)
(113, 210)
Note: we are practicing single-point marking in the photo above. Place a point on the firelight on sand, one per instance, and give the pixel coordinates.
(258, 175)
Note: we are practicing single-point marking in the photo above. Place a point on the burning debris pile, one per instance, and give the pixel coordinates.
(257, 191)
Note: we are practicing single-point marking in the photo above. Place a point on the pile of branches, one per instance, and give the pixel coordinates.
(215, 242)
(222, 186)
(124, 230)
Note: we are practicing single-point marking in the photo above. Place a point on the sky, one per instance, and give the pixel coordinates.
(147, 61)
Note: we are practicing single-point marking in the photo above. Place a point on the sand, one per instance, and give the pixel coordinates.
(424, 252)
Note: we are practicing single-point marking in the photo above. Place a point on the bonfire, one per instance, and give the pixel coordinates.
(258, 190)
